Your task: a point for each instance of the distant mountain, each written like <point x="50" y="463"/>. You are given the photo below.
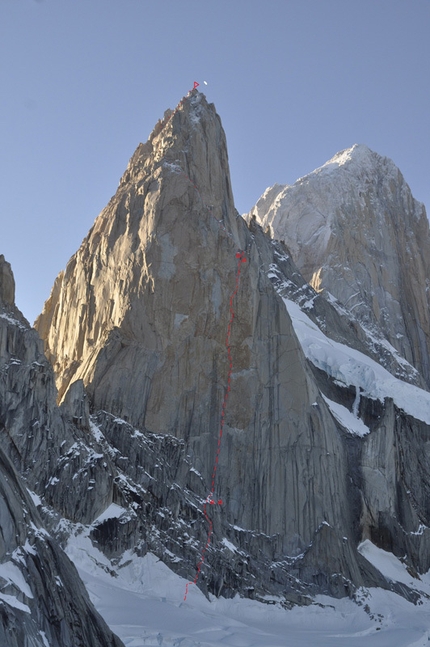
<point x="355" y="231"/>
<point x="216" y="410"/>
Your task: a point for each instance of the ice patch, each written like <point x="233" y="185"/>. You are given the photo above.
<point x="229" y="545"/>
<point x="44" y="638"/>
<point x="11" y="573"/>
<point x="35" y="498"/>
<point x="347" y="419"/>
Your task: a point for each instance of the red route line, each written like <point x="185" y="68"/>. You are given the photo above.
<point x="241" y="258"/>
<point x="209" y="499"/>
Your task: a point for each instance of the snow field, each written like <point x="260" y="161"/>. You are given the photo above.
<point x="142" y="602"/>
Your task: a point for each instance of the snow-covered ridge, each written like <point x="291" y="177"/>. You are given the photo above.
<point x="350" y="367"/>
<point x="348" y="420"/>
<point x="360" y="160"/>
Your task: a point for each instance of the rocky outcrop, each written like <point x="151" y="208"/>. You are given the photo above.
<point x="7" y="283"/>
<point x="355" y="231"/>
<point x="42" y="599"/>
<point x="140" y="317"/>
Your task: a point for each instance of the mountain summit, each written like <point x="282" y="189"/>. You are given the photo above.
<point x="149" y="260"/>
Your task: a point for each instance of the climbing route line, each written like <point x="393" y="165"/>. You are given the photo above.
<point x="241" y="258"/>
<point x="210" y="500"/>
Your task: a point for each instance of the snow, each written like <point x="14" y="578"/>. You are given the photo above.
<point x="114" y="511"/>
<point x="12" y="320"/>
<point x="175" y="168"/>
<point x="229" y="545"/>
<point x="28" y="548"/>
<point x="13" y="602"/>
<point x="375" y="337"/>
<point x="360" y="158"/>
<point x="196" y="110"/>
<point x="359" y="153"/>
<point x="44" y="638"/>
<point x="391" y="566"/>
<point x="11" y="573"/>
<point x="347" y="419"/>
<point x="143" y="604"/>
<point x="35" y="498"/>
<point x="96" y="432"/>
<point x="40" y="533"/>
<point x="350" y="367"/>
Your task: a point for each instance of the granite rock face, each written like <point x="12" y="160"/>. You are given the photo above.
<point x="355" y="231"/>
<point x="136" y="330"/>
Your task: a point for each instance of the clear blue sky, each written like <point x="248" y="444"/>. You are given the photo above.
<point x="82" y="82"/>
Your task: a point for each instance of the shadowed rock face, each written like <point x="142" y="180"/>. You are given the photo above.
<point x="42" y="597"/>
<point x="140" y="318"/>
<point x="44" y="594"/>
<point x="355" y="231"/>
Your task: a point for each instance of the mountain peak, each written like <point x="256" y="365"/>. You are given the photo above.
<point x="358" y="153"/>
<point x="159" y="320"/>
<point x="355" y="230"/>
<point x="174" y="136"/>
<point x="173" y="198"/>
<point x="357" y="161"/>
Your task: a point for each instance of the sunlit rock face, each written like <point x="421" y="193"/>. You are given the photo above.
<point x="136" y="329"/>
<point x="355" y="231"/>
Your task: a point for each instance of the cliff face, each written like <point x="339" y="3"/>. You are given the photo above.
<point x="141" y="316"/>
<point x="355" y="231"/>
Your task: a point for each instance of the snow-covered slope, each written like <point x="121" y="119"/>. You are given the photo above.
<point x="349" y="366"/>
<point x="142" y="601"/>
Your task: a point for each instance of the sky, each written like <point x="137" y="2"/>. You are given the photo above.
<point x="82" y="82"/>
